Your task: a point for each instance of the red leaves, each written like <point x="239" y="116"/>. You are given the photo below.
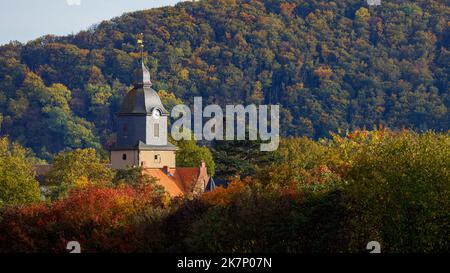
<point x="90" y="215"/>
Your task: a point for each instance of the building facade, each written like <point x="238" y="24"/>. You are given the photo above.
<point x="142" y="141"/>
<point x="142" y="129"/>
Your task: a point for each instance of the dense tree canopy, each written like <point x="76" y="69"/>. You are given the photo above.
<point x="191" y="155"/>
<point x="332" y="66"/>
<point x="330" y="196"/>
<point x="18" y="185"/>
<point x="77" y="169"/>
<point x="329" y="64"/>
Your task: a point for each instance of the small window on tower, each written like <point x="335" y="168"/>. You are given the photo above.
<point x="124" y="156"/>
<point x="156" y="130"/>
<point x="125" y="128"/>
<point x="157" y="158"/>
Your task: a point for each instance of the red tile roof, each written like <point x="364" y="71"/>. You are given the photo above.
<point x="177" y="182"/>
<point x="187" y="177"/>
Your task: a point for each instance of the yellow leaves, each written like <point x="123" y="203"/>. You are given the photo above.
<point x="17" y="183"/>
<point x="99" y="94"/>
<point x="101" y="98"/>
<point x="136" y="55"/>
<point x="77" y="167"/>
<point x="362" y="14"/>
<point x="184" y="74"/>
<point x="81" y="182"/>
<point x="33" y="82"/>
<point x="123" y="201"/>
<point x="166" y="200"/>
<point x="323" y="72"/>
<point x="60" y="95"/>
<point x="295" y="88"/>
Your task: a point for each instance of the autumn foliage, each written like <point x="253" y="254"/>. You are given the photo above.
<point x="328" y="64"/>
<point x="96" y="217"/>
<point x="328" y="196"/>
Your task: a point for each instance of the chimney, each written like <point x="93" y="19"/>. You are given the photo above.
<point x="203" y="169"/>
<point x="202" y="177"/>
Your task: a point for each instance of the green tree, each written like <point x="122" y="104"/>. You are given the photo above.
<point x="18" y="185"/>
<point x="397" y="188"/>
<point x="191" y="155"/>
<point x="76" y="169"/>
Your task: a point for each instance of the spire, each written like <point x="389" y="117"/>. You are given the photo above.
<point x="142" y="99"/>
<point x="143" y="74"/>
<point x="146" y="76"/>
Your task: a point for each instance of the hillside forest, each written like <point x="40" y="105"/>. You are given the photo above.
<point x="330" y="65"/>
<point x="365" y="146"/>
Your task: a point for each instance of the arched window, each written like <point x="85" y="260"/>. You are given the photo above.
<point x="124" y="156"/>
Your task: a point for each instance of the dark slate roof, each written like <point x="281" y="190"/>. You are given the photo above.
<point x="211" y="185"/>
<point x="142" y="99"/>
<point x="143" y="75"/>
<point x="141" y="146"/>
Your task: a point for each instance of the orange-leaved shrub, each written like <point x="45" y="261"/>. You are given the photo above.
<point x="98" y="218"/>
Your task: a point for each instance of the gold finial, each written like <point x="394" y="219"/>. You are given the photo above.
<point x="140" y="41"/>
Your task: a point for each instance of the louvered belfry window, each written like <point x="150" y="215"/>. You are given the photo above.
<point x="156" y="130"/>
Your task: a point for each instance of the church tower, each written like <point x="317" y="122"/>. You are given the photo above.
<point x="142" y="128"/>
